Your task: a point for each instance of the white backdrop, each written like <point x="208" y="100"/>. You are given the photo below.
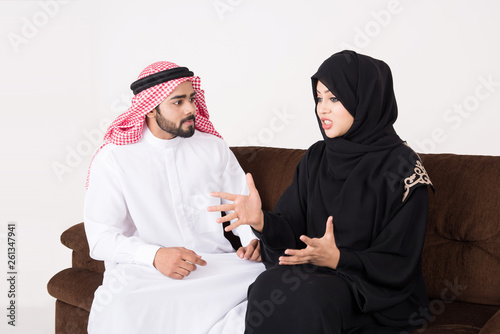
<point x="66" y="67"/>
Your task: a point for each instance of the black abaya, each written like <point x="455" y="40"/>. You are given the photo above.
<point x="374" y="187"/>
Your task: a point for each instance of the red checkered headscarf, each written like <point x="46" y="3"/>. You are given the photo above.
<point x="127" y="128"/>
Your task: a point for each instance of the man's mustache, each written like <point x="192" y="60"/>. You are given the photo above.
<point x="189" y="118"/>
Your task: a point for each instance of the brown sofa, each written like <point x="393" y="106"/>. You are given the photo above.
<point x="461" y="258"/>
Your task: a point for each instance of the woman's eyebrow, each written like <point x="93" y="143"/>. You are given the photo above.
<point x="326" y="91"/>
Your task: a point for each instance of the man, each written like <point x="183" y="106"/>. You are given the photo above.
<point x="169" y="268"/>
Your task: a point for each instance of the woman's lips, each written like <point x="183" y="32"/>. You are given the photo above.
<point x="326" y="123"/>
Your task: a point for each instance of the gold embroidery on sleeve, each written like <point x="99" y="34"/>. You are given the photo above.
<point x="420" y="176"/>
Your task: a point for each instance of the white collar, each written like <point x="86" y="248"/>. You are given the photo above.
<point x="158" y="142"/>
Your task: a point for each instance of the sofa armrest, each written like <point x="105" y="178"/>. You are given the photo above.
<point x="75" y="238"/>
<point x="493" y="325"/>
<point x="75" y="286"/>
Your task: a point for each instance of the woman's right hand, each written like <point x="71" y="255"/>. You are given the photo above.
<point x="247" y="209"/>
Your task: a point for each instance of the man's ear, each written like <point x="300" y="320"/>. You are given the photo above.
<point x="151" y="114"/>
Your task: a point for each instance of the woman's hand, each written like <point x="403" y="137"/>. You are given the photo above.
<point x="251" y="251"/>
<point x="321" y="252"/>
<point x="248" y="209"/>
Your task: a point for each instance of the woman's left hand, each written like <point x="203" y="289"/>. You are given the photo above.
<point x="321" y="252"/>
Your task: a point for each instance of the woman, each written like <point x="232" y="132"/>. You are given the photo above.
<point x="342" y="247"/>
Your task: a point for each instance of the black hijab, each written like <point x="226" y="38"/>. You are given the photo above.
<point x="364" y="86"/>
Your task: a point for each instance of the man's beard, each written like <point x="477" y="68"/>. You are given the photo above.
<point x="171" y="128"/>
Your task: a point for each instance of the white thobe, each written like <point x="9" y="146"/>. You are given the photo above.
<point x="152" y="194"/>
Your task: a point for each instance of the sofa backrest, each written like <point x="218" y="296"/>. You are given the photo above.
<point x="461" y="257"/>
<point x="272" y="170"/>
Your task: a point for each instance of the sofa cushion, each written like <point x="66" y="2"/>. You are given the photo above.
<point x="457" y="317"/>
<point x="461" y="254"/>
<point x="493" y="325"/>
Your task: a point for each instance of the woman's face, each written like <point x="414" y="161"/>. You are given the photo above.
<point x="335" y="119"/>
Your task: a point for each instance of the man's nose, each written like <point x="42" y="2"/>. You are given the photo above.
<point x="190" y="109"/>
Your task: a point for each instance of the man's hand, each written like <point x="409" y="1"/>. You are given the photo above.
<point x="322" y="251"/>
<point x="250" y="252"/>
<point x="248" y="209"/>
<point x="177" y="262"/>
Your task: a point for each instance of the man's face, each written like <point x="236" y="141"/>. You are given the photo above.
<point x="175" y="116"/>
